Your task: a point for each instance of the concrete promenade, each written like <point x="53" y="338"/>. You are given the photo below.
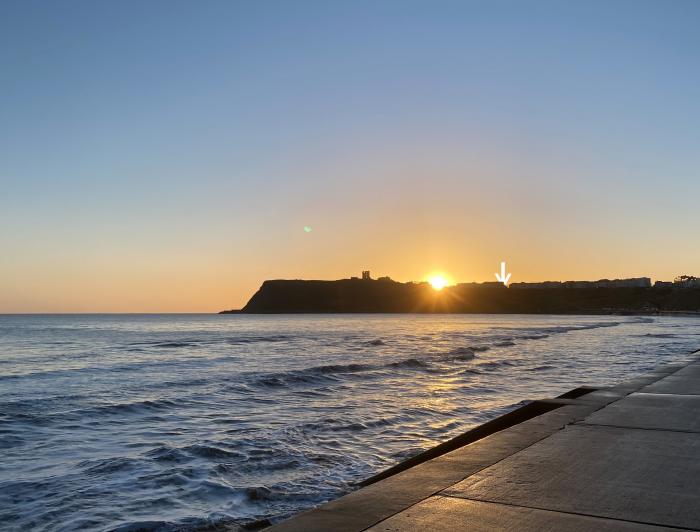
<point x="626" y="457"/>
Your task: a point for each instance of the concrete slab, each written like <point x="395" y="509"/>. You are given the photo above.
<point x="667" y="368"/>
<point x="693" y="370"/>
<point x="514" y="439"/>
<point x="683" y="385"/>
<point x="651" y="411"/>
<point x="599" y="397"/>
<point x="635" y="384"/>
<point x="645" y="476"/>
<point x="442" y="514"/>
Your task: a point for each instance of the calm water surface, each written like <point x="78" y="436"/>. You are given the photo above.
<point x="176" y="422"/>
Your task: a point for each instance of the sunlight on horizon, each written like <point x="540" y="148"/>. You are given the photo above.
<point x="438" y="281"/>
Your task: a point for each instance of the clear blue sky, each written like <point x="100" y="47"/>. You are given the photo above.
<point x="167" y="155"/>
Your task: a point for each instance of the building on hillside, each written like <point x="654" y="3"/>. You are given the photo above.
<point x="636" y="282"/>
<point x="663" y="284"/>
<point x="686" y="281"/>
<point x="543" y="284"/>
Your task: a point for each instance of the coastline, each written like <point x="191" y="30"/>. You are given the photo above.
<point x="671" y="313"/>
<point x="355" y="296"/>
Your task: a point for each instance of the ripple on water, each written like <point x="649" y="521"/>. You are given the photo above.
<point x="188" y="422"/>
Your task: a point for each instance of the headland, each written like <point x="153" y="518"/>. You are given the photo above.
<point x="383" y="295"/>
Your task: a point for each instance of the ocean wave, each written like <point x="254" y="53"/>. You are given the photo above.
<point x="27" y="405"/>
<point x="90" y="369"/>
<point x="134" y="407"/>
<point x="462" y="353"/>
<point x="494" y="364"/>
<point x="346" y="424"/>
<point x="145" y="526"/>
<point x="109" y="465"/>
<point x="81" y="415"/>
<point x="165" y="453"/>
<point x="478" y="348"/>
<point x="290" y="379"/>
<point x="212" y="452"/>
<point x="209" y="524"/>
<point x="530" y="333"/>
<point x="543" y="367"/>
<point x="176" y="344"/>
<point x="333" y="372"/>
<point x="78" y="416"/>
<point x="9" y="441"/>
<point x="208" y="340"/>
<point x="536" y="333"/>
<point x="189" y="342"/>
<point x="601" y="325"/>
<point x="256" y="339"/>
<point x="178" y="477"/>
<point x="341" y="368"/>
<point x="413" y="363"/>
<point x="504" y="343"/>
<point x="641" y="319"/>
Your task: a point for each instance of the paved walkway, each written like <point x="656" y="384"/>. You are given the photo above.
<point x="620" y="458"/>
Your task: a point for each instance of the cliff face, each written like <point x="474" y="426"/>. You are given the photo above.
<point x="347" y="295"/>
<point x="354" y="295"/>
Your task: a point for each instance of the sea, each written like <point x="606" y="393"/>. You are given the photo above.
<point x="199" y="422"/>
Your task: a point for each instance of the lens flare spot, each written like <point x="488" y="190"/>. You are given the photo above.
<point x="307" y="229"/>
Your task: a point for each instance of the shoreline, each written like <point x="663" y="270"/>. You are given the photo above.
<point x="679" y="313"/>
<point x="516" y="471"/>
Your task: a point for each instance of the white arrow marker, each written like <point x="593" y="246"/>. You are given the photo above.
<point x="503" y="278"/>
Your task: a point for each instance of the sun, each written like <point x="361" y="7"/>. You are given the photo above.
<point x="438" y="282"/>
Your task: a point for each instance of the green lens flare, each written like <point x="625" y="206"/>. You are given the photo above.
<point x="307" y="229"/>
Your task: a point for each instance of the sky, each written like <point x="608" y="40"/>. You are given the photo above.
<point x="167" y="156"/>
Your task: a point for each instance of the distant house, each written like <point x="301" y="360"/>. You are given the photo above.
<point x="365" y="275"/>
<point x="686" y="281"/>
<point x="544" y="284"/>
<point x="663" y="284"/>
<point x="636" y="282"/>
<point x="577" y="284"/>
<point x="385" y="278"/>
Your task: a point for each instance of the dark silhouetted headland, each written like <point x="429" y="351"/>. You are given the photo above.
<point x="384" y="295"/>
